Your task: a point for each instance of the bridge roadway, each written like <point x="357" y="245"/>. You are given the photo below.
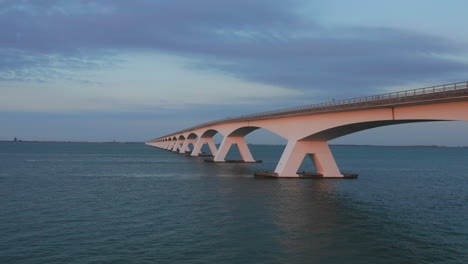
<point x="308" y="128"/>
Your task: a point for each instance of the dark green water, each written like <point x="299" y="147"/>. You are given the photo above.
<point x="125" y="203"/>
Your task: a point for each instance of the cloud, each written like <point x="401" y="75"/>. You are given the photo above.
<point x="264" y="41"/>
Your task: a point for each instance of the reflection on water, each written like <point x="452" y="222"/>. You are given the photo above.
<point x="135" y="204"/>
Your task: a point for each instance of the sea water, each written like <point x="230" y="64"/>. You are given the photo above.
<point x="132" y="203"/>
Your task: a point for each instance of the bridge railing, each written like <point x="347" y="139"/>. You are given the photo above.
<point x="373" y="98"/>
<point x="367" y="100"/>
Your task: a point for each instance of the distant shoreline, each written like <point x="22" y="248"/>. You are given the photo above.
<point x="137" y="142"/>
<point x="73" y="142"/>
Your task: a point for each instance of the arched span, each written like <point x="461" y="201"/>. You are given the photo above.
<point x="209" y="133"/>
<point x="344" y="130"/>
<point x="243" y="131"/>
<point x="174" y="138"/>
<point x="181" y="137"/>
<point x="192" y="136"/>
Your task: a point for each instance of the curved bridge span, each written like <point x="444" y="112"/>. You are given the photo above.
<point x="308" y="128"/>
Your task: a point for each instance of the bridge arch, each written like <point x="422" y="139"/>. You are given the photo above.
<point x="246" y="130"/>
<point x="346" y="129"/>
<point x="243" y="131"/>
<point x="192" y="136"/>
<point x="186" y="140"/>
<point x="349" y="124"/>
<point x="203" y="136"/>
<point x="209" y="133"/>
<point x="235" y="135"/>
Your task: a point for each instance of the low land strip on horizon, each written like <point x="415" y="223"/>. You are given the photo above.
<point x="138" y="142"/>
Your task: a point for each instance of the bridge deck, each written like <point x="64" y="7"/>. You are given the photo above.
<point x="432" y="94"/>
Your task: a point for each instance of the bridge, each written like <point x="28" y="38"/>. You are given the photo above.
<point x="309" y="128"/>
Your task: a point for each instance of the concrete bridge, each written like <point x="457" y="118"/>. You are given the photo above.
<point x="308" y="128"/>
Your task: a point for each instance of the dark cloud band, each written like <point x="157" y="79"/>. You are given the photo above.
<point x="262" y="41"/>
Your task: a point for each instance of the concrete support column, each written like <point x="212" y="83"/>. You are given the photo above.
<point x="199" y="144"/>
<point x="173" y="145"/>
<point x="223" y="149"/>
<point x="176" y="146"/>
<point x="294" y="153"/>
<point x="192" y="141"/>
<point x="197" y="147"/>
<point x="244" y="149"/>
<point x="185" y="147"/>
<point x="212" y="146"/>
<point x="226" y="145"/>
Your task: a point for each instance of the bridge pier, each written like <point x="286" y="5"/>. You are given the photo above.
<point x="185" y="146"/>
<point x="241" y="145"/>
<point x="318" y="151"/>
<point x="169" y="145"/>
<point x="176" y="146"/>
<point x="199" y="144"/>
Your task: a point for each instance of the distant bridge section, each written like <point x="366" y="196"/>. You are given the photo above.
<point x="308" y="128"/>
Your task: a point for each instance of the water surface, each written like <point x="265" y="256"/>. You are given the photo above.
<point x="131" y="203"/>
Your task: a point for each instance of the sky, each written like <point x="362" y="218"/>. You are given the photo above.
<point x="102" y="70"/>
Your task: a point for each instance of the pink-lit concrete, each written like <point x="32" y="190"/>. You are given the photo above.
<point x="173" y="145"/>
<point x="307" y="134"/>
<point x="226" y="145"/>
<point x="185" y="147"/>
<point x="294" y="153"/>
<point x="199" y="144"/>
<point x="176" y="145"/>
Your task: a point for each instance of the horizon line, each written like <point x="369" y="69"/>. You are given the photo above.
<point x="143" y="142"/>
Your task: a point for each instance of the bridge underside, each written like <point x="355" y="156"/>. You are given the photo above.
<point x="344" y="130"/>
